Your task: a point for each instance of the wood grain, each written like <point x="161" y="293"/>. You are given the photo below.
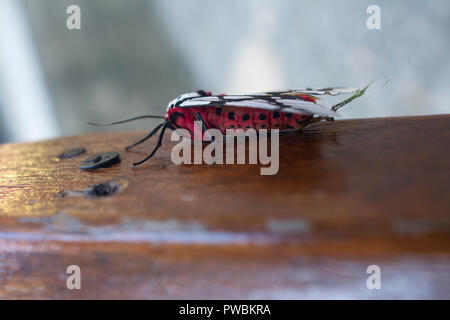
<point x="348" y="194"/>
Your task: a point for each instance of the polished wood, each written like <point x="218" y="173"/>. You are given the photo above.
<point x="348" y="194"/>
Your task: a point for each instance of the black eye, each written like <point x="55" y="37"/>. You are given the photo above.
<point x="174" y="116"/>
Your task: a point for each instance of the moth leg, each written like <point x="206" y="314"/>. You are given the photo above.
<point x="158" y="144"/>
<point x="198" y="116"/>
<point x="171" y="126"/>
<point x="155" y="130"/>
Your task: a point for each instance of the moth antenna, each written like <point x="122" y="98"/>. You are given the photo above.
<point x="127" y="120"/>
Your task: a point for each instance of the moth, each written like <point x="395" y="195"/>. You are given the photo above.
<point x="286" y="110"/>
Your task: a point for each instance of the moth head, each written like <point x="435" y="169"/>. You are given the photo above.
<point x="186" y="96"/>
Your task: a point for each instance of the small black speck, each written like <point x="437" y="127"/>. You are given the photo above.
<point x="218" y="111"/>
<point x="102" y="189"/>
<point x="262" y="116"/>
<point x="72" y="153"/>
<point x="231" y="115"/>
<point x="288" y="115"/>
<point x="276" y="115"/>
<point x="263" y="126"/>
<point x="245" y="117"/>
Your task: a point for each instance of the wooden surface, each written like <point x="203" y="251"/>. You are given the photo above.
<point x="348" y="194"/>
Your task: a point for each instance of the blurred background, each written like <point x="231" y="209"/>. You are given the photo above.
<point x="131" y="57"/>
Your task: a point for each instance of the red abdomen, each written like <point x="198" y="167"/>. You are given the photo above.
<point x="229" y="117"/>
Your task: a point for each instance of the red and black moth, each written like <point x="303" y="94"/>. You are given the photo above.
<point x="287" y="111"/>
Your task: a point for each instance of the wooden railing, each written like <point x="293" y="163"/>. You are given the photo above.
<point x="348" y="194"/>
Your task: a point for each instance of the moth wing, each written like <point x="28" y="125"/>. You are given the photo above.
<point x="261" y="101"/>
<point x="304" y="107"/>
<point x="332" y="91"/>
<point x="214" y="101"/>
